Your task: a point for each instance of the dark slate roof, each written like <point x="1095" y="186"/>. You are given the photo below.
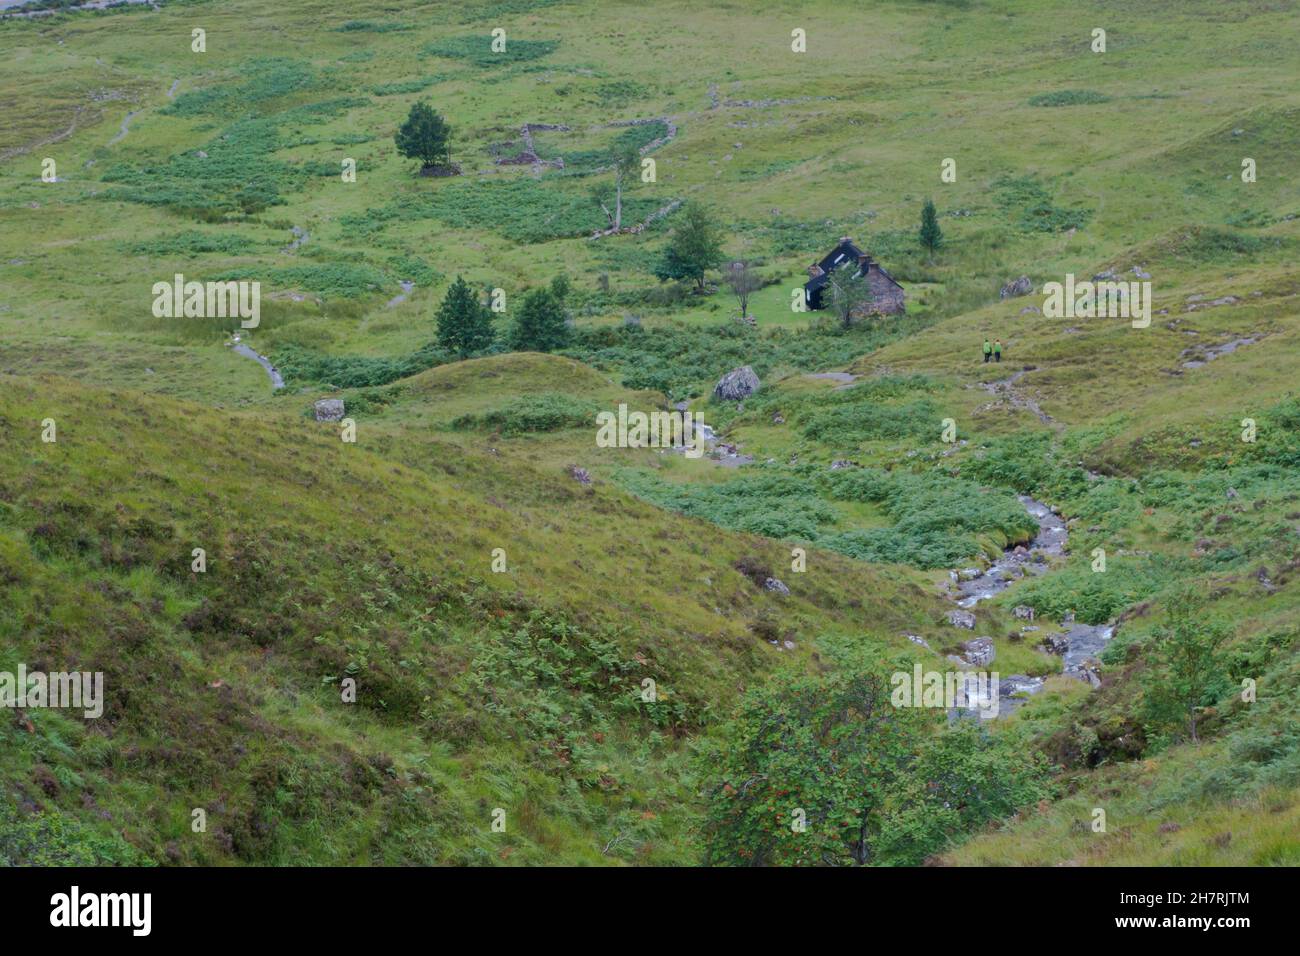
<point x="844" y="252"/>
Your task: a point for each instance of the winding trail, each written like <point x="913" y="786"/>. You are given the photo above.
<point x="1004" y="390"/>
<point x="845" y="379"/>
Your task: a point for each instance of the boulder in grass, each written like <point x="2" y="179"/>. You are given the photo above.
<point x="961" y="619"/>
<point x="329" y="410"/>
<point x="1019" y="287"/>
<point x="737" y="384"/>
<point x="1056" y="644"/>
<point x="776" y="586"/>
<point x="979" y="652"/>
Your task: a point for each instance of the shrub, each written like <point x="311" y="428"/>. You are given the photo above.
<point x="547" y="412"/>
<point x="1069" y="98"/>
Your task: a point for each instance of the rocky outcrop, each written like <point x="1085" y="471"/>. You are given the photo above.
<point x="776" y="586"/>
<point x="1056" y="643"/>
<point x="962" y="619"/>
<point x="737" y="384"/>
<point x="329" y="410"/>
<point x="1019" y="287"/>
<point x="979" y="652"/>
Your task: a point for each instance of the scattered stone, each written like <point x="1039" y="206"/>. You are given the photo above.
<point x="918" y="640"/>
<point x="1087" y="671"/>
<point x="580" y="474"/>
<point x="1031" y="310"/>
<point x="1138" y="271"/>
<point x="841" y="463"/>
<point x="776" y="586"/>
<point x="1105" y="276"/>
<point x="737" y="384"/>
<point x="1056" y="644"/>
<point x="962" y="619"/>
<point x="329" y="410"/>
<point x="778" y="418"/>
<point x="979" y="652"/>
<point x="1023" y="611"/>
<point x="1019" y="287"/>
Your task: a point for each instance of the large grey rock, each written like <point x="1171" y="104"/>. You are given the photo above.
<point x="737" y="384"/>
<point x="961" y="619"/>
<point x="1056" y="643"/>
<point x="776" y="586"/>
<point x="329" y="410"/>
<point x="979" y="652"/>
<point x="1021" y="286"/>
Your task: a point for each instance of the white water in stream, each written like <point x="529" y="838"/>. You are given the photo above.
<point x="1083" y="641"/>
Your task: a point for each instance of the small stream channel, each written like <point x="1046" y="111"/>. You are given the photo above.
<point x="1082" y="642"/>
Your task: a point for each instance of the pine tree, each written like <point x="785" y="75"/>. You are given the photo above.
<point x="464" y="324"/>
<point x="541" y="325"/>
<point x="931" y="234"/>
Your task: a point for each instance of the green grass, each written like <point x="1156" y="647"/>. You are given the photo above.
<point x="521" y="690"/>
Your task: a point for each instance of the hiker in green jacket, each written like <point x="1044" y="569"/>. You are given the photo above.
<point x="988" y="350"/>
<point x="997" y="350"/>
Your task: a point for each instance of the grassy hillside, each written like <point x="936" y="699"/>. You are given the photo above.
<point x="523" y="689"/>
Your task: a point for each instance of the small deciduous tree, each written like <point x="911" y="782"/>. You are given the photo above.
<point x="931" y="235"/>
<point x="542" y="323"/>
<point x="801" y="775"/>
<point x="743" y="282"/>
<point x="625" y="162"/>
<point x="1185" y="670"/>
<point x="464" y="323"/>
<point x="694" y="248"/>
<point x="850" y="293"/>
<point x="424" y="136"/>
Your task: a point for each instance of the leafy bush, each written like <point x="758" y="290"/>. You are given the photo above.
<point x="1097" y="598"/>
<point x="524" y="210"/>
<point x="297" y="364"/>
<point x="1038" y="212"/>
<point x="898" y="789"/>
<point x="546" y="412"/>
<point x="405" y="86"/>
<point x="371" y="26"/>
<point x="192" y="243"/>
<point x="51" y="839"/>
<point x="478" y="50"/>
<point x="1069" y="98"/>
<point x="769" y="502"/>
<point x="345" y="279"/>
